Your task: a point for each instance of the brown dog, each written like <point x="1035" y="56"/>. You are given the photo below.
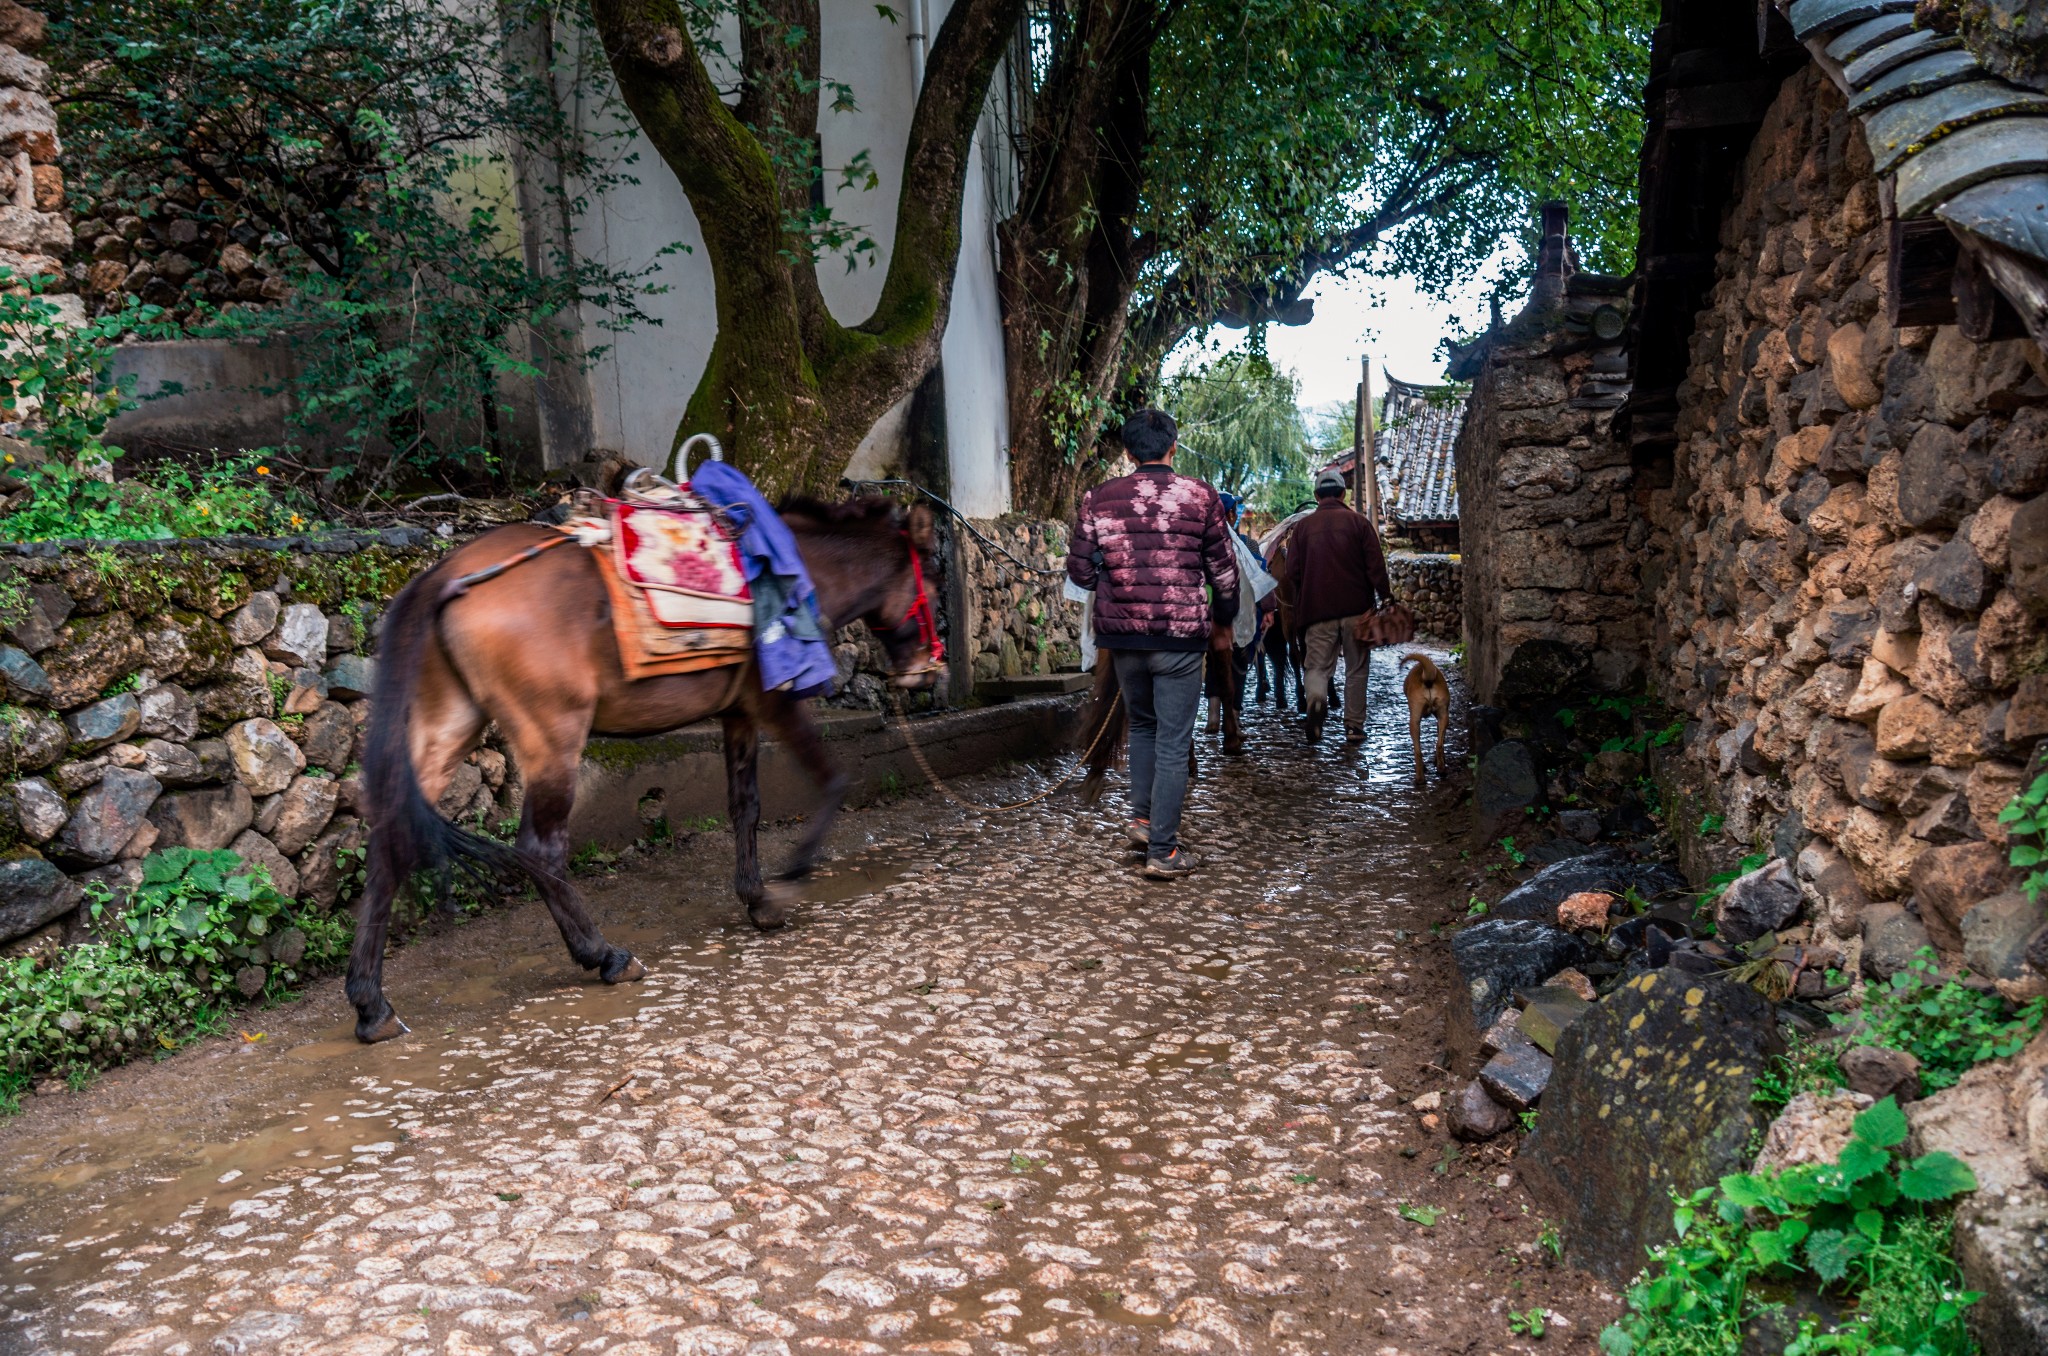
<point x="1428" y="695"/>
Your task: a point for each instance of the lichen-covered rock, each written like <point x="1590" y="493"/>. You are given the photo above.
<point x="351" y="676"/>
<point x="167" y="710"/>
<point x="90" y="654"/>
<point x="205" y="820"/>
<point x="102" y="723"/>
<point x="256" y="850"/>
<point x="37" y="740"/>
<point x="300" y="638"/>
<point x="32" y="892"/>
<point x="1949" y="881"/>
<point x="105" y="818"/>
<point x="39" y="808"/>
<point x="265" y="758"/>
<point x="302" y="812"/>
<point x="1891" y="938"/>
<point x="1651" y="1093"/>
<point x="255" y="619"/>
<point x="328" y="737"/>
<point x="1610" y="871"/>
<point x="1814" y="1127"/>
<point x="190" y="646"/>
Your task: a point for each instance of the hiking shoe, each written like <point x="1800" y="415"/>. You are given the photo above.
<point x="1353" y="734"/>
<point x="1176" y="864"/>
<point x="1139" y="833"/>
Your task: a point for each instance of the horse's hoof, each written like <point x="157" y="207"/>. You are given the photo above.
<point x="621" y="967"/>
<point x="390" y="1028"/>
<point x="779" y="899"/>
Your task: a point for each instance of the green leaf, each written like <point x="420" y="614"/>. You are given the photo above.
<point x="1860" y="1160"/>
<point x="1829" y="1252"/>
<point x="1870" y="1223"/>
<point x="1772" y="1247"/>
<point x="1747" y="1191"/>
<point x="1882" y="1126"/>
<point x="1936" y="1177"/>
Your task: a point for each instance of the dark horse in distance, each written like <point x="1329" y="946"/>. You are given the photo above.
<point x="533" y="649"/>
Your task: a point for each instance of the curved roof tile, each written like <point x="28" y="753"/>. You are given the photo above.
<point x="1418" y="428"/>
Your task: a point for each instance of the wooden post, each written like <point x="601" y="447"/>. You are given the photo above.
<point x="1366" y="484"/>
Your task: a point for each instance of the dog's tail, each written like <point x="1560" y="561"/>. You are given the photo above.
<point x="1432" y="676"/>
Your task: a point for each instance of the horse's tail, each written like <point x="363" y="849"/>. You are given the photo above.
<point x="407" y="834"/>
<point x="1103" y="721"/>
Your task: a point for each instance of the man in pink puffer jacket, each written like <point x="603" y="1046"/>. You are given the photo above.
<point x="1154" y="547"/>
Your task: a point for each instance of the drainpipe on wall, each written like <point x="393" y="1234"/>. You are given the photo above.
<point x="920" y="39"/>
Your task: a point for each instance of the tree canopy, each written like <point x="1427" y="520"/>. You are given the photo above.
<point x="1278" y="140"/>
<point x="1241" y="430"/>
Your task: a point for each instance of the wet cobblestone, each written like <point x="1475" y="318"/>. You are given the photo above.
<point x="993" y="1093"/>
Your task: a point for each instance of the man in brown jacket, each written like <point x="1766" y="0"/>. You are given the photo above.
<point x="1335" y="571"/>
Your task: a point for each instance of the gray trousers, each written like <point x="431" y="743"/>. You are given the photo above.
<point x="1323" y="641"/>
<point x="1161" y="690"/>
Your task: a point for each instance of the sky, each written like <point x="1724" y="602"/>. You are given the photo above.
<point x="1387" y="319"/>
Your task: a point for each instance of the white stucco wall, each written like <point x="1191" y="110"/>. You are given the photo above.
<point x="641" y="385"/>
<point x="977" y="401"/>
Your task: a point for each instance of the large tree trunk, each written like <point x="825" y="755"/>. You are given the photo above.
<point x="1070" y="257"/>
<point x="789" y="390"/>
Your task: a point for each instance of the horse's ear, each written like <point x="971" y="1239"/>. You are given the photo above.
<point x="923" y="529"/>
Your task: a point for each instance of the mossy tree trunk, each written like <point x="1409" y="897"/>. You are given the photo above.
<point x="1070" y="255"/>
<point x="789" y="390"/>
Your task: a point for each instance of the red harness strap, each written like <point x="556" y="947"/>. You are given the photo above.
<point x="921" y="610"/>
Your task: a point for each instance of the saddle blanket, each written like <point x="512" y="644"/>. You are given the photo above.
<point x="679" y="595"/>
<point x="690" y="570"/>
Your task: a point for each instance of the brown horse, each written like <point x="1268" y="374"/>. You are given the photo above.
<point x="533" y="650"/>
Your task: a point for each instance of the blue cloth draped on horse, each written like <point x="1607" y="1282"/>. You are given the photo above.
<point x="789" y="636"/>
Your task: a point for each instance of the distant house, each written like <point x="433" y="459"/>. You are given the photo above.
<point x="1418" y="481"/>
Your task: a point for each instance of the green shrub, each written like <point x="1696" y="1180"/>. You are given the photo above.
<point x="65" y="369"/>
<point x="1943" y="1023"/>
<point x="1866" y="1229"/>
<point x="233" y="494"/>
<point x="163" y="970"/>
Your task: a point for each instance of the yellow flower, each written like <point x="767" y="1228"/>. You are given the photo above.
<point x="203" y="509"/>
<point x="263" y="470"/>
<point x="297" y="520"/>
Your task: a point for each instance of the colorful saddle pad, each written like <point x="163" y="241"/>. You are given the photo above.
<point x="690" y="569"/>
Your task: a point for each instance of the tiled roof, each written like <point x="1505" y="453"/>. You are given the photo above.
<point x="1962" y="143"/>
<point x="1418" y="428"/>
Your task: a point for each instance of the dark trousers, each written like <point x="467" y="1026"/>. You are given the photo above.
<point x="1161" y="690"/>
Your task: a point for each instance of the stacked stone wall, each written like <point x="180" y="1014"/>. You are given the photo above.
<point x="1017" y="622"/>
<point x="35" y="234"/>
<point x="204" y="695"/>
<point x="1852" y="612"/>
<point x="1552" y="519"/>
<point x="1428" y="584"/>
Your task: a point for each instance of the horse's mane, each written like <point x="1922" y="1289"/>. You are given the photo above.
<point x="872" y="512"/>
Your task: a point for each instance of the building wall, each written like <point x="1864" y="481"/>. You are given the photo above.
<point x="1549" y="521"/>
<point x="1841" y="620"/>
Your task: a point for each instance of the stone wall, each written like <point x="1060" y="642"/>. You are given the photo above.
<point x="34" y="233"/>
<point x="1427" y="583"/>
<point x="1550" y="508"/>
<point x="1017" y="623"/>
<point x="207" y="695"/>
<point x="1851" y="613"/>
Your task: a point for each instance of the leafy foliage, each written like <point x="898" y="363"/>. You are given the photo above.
<point x="1945" y="1024"/>
<point x="1807" y="1066"/>
<point x="379" y="142"/>
<point x="57" y="374"/>
<point x="1241" y="430"/>
<point x="2026" y="824"/>
<point x="162" y="966"/>
<point x="233" y="494"/>
<point x="1862" y="1227"/>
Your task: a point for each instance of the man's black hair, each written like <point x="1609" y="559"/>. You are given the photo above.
<point x="1149" y="435"/>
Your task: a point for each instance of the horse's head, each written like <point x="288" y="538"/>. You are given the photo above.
<point x="904" y="618"/>
<point x="870" y="560"/>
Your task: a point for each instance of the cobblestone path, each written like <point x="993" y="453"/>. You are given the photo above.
<point x="993" y="1093"/>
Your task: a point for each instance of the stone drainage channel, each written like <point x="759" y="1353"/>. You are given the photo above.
<point x="991" y="1092"/>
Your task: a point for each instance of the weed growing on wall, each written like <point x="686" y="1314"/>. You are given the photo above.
<point x="1944" y="1023"/>
<point x="1867" y="1231"/>
<point x="203" y="930"/>
<point x="232" y="495"/>
<point x="2026" y="823"/>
